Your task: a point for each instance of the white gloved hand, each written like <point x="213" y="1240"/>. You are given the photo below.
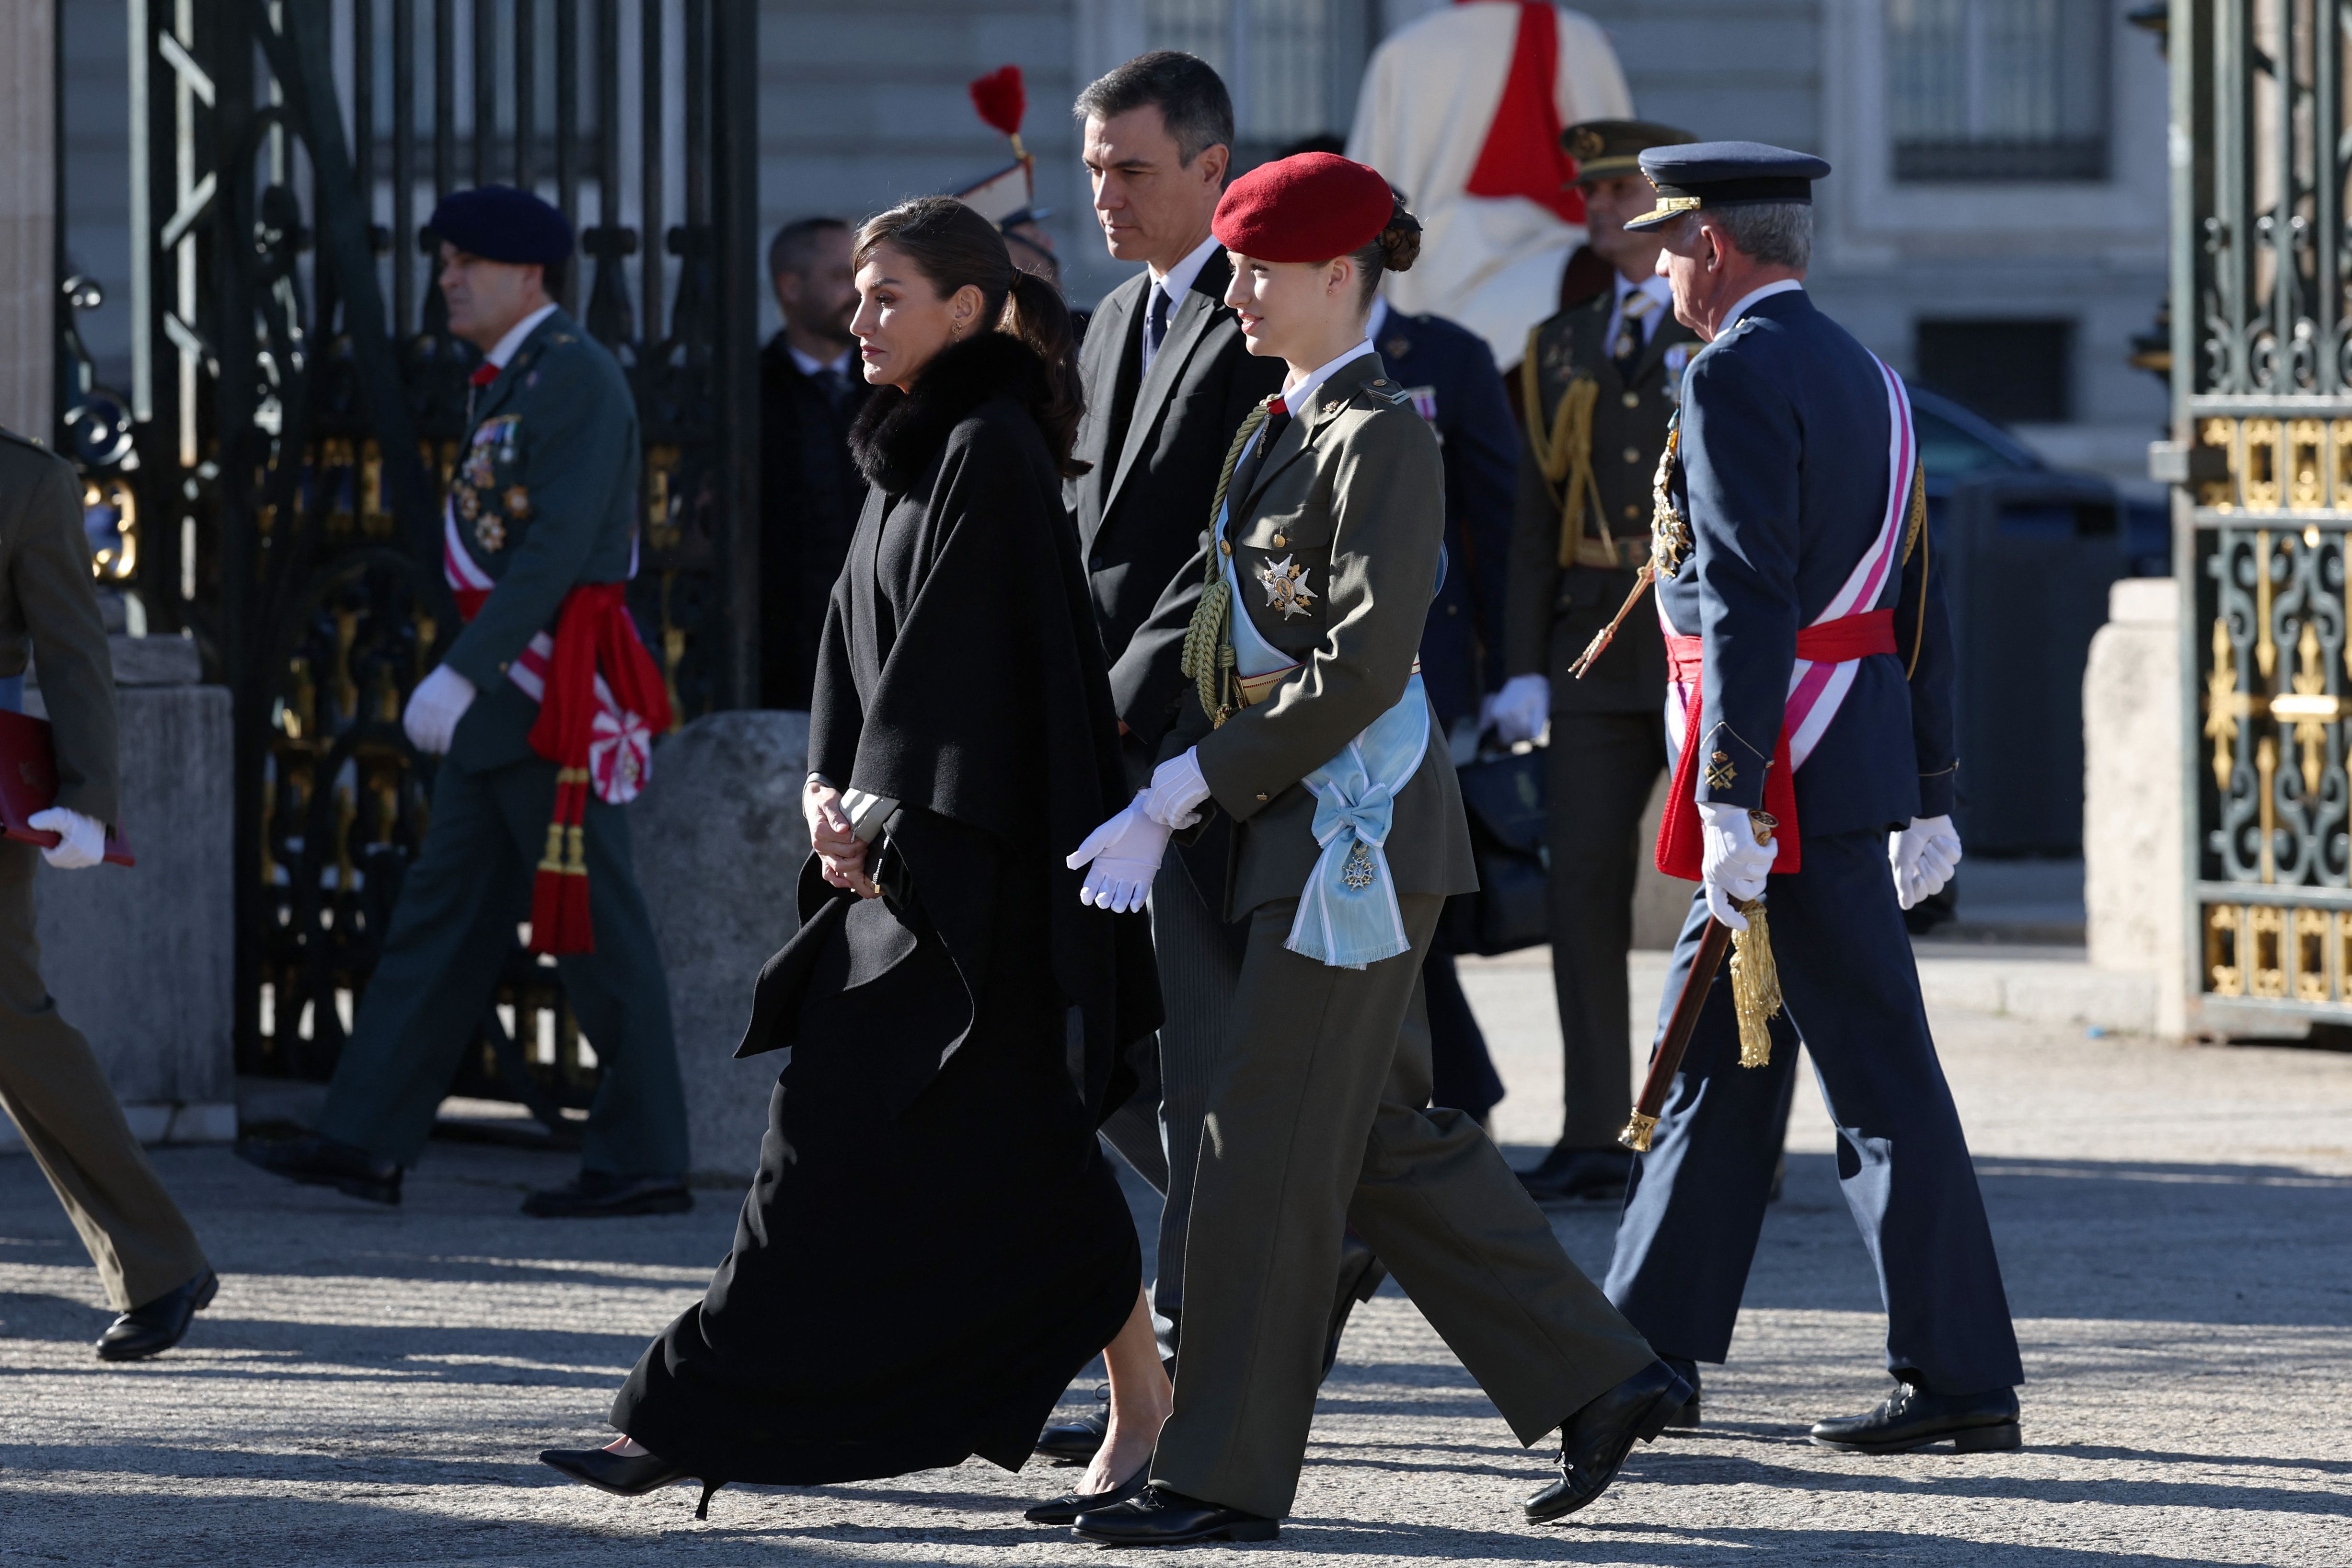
<point x="1177" y="790"/>
<point x="1732" y="865"/>
<point x="1122" y="855"/>
<point x="82" y="840"/>
<point x="1520" y="710"/>
<point x="1923" y="856"/>
<point x="439" y="700"/>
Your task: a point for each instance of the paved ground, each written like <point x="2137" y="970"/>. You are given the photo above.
<point x="2175" y="1224"/>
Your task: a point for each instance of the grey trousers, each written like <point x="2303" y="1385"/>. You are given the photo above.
<point x="1315" y="1124"/>
<point x="1158" y="1130"/>
<point x="58" y="1095"/>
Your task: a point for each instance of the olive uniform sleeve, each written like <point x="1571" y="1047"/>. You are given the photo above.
<point x="49" y="575"/>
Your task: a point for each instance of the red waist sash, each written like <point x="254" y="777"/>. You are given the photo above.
<point x="1679" y="836"/>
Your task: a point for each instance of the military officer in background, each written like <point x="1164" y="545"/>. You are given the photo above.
<point x="154" y="1273"/>
<point x="1601" y="382"/>
<point x="538" y="542"/>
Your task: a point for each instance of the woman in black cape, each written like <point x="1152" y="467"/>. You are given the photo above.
<point x="934" y="1243"/>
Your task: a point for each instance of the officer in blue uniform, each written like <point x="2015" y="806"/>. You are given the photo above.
<point x="1801" y="607"/>
<point x="544" y="502"/>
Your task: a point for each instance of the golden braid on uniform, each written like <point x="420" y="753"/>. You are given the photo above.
<point x="1563" y="453"/>
<point x="1208" y="656"/>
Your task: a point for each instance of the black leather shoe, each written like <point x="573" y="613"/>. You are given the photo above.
<point x="1074" y="1441"/>
<point x="1360" y="1273"/>
<point x="632" y="1475"/>
<point x="1687" y="1416"/>
<point x="1066" y="1509"/>
<point x="1596" y="1439"/>
<point x="1598" y="1175"/>
<point x="1157" y="1516"/>
<point x="153" y="1327"/>
<point x="1912" y="1417"/>
<point x="596" y="1194"/>
<point x="323" y="1162"/>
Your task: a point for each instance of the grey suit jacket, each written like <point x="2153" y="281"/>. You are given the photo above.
<point x="1355" y="490"/>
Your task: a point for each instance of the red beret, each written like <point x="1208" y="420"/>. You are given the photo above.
<point x="1310" y="207"/>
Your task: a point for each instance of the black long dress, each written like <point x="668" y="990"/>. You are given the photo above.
<point x="934" y="1243"/>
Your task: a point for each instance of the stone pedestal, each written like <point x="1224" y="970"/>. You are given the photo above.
<point x="719" y="843"/>
<point x="140" y="958"/>
<point x="2132" y="824"/>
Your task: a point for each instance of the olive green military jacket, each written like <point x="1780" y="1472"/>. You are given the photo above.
<point x="544" y="495"/>
<point x="1349" y="505"/>
<point x="48" y="611"/>
<point x="1551" y="611"/>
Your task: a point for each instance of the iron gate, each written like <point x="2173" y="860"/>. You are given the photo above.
<point x="297" y="404"/>
<point x="2262" y="460"/>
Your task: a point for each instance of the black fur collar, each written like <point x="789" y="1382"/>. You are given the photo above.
<point x="897" y="434"/>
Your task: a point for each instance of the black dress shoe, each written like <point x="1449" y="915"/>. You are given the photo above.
<point x="598" y="1194"/>
<point x="1566" y="1174"/>
<point x="1066" y="1509"/>
<point x="153" y="1327"/>
<point x="1596" y="1439"/>
<point x="631" y="1474"/>
<point x="1074" y="1441"/>
<point x="1159" y="1516"/>
<point x="322" y="1162"/>
<point x="1912" y="1417"/>
<point x="1687" y="1416"/>
<point x="1360" y="1273"/>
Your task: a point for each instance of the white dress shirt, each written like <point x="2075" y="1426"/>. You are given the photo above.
<point x="813" y="367"/>
<point x="1175" y="283"/>
<point x="1296" y="393"/>
<point x="515" y="335"/>
<point x="1661" y="305"/>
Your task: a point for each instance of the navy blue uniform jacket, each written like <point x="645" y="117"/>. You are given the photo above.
<point x="1784" y="480"/>
<point x="1451" y="367"/>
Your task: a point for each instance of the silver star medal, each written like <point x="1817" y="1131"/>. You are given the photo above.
<point x="1285" y="587"/>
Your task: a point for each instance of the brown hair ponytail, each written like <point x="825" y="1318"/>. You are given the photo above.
<point x="1394" y="249"/>
<point x="1035" y="312"/>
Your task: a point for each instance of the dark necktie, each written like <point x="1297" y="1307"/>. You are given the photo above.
<point x="1278" y="419"/>
<point x="1631" y="336"/>
<point x="1155" y="325"/>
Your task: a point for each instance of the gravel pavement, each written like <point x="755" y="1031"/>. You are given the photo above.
<point x="2175" y="1223"/>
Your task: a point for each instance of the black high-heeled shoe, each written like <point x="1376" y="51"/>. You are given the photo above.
<point x="1066" y="1509"/>
<point x="624" y="1474"/>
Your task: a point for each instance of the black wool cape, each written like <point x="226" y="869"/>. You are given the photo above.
<point x="934" y="1243"/>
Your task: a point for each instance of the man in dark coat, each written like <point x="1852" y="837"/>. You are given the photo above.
<point x="1167" y="381"/>
<point x="811" y="388"/>
<point x="1598" y="381"/>
<point x="1815" y="773"/>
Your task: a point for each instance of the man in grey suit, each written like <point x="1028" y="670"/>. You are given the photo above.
<point x="1167" y="382"/>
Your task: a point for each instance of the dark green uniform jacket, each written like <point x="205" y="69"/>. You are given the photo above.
<point x="1552" y="611"/>
<point x="545" y="497"/>
<point x="45" y="598"/>
<point x="1354" y="489"/>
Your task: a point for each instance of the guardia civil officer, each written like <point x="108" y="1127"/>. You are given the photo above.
<point x="154" y="1273"/>
<point x="1815" y="767"/>
<point x="1599" y="383"/>
<point x="542" y="711"/>
<point x="1307" y="727"/>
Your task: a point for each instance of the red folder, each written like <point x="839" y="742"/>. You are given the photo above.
<point x="28" y="783"/>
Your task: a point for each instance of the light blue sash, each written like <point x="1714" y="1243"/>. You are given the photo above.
<point x="1348" y="913"/>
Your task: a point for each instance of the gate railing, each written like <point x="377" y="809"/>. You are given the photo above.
<point x="297" y="405"/>
<point x="2262" y="462"/>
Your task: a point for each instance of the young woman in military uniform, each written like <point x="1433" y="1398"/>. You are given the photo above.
<point x="1311" y="732"/>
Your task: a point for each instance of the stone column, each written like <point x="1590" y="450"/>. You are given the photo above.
<point x="2132" y="824"/>
<point x="28" y="206"/>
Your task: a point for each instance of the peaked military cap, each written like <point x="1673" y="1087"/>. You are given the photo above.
<point x="1611" y="149"/>
<point x="1703" y="174"/>
<point x="500" y="223"/>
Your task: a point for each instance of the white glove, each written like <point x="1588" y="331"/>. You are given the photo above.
<point x="1520" y="710"/>
<point x="1923" y="856"/>
<point x="1123" y="856"/>
<point x="1177" y="790"/>
<point x="439" y="700"/>
<point x="82" y="840"/>
<point x="1732" y="865"/>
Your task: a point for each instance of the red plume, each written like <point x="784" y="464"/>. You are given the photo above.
<point x="1001" y="99"/>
